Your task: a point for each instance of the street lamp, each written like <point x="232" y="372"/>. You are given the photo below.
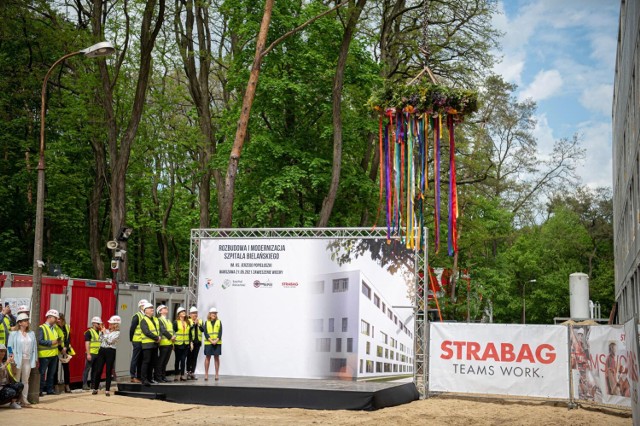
<point x="524" y="303"/>
<point x="96" y="51"/>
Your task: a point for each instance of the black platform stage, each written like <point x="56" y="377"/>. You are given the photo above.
<point x="279" y="393"/>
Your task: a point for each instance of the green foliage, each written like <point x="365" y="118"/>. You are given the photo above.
<point x="508" y="234"/>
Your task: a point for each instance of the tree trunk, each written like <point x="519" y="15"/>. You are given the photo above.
<point x="197" y="15"/>
<point x="226" y="208"/>
<point x="336" y="100"/>
<point x="95" y="202"/>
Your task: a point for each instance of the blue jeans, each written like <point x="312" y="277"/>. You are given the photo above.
<point x="87" y="373"/>
<point x="48" y="369"/>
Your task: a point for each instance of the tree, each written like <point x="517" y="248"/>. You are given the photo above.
<point x="121" y="135"/>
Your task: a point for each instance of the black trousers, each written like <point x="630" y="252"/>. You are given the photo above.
<point x="164" y="352"/>
<point x="192" y="357"/>
<point x="149" y="363"/>
<point x="106" y="356"/>
<point x="136" y="360"/>
<point x="181" y="358"/>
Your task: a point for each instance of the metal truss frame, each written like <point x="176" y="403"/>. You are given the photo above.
<point x="421" y="319"/>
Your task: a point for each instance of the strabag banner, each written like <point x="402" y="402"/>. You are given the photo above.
<point x="502" y="359"/>
<point x="600" y="365"/>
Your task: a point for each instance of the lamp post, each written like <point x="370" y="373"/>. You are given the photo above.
<point x="524" y="303"/>
<point x="96" y="51"/>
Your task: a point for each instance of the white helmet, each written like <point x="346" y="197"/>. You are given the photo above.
<point x="115" y="320"/>
<point x="142" y="302"/>
<point x="147" y="305"/>
<point x="96" y="320"/>
<point x="22" y="316"/>
<point x="22" y="308"/>
<point x="180" y="309"/>
<point x="193" y="310"/>
<point x="213" y="311"/>
<point x="159" y="308"/>
<point x="52" y="313"/>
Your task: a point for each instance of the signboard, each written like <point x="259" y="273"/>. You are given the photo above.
<point x="599" y="364"/>
<point x="16" y="297"/>
<point x="290" y="307"/>
<point x="509" y="359"/>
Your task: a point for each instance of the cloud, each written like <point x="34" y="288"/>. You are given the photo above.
<point x="544" y="85"/>
<point x="598" y="99"/>
<point x="595" y="137"/>
<point x="544" y="135"/>
<point x="510" y="68"/>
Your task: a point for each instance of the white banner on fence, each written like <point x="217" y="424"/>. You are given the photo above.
<point x="509" y="359"/>
<point x="631" y="338"/>
<point x="599" y="364"/>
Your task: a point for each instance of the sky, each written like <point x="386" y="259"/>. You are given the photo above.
<point x="561" y="54"/>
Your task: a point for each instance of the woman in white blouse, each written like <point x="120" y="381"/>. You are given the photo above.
<point x="22" y="343"/>
<point x="107" y="354"/>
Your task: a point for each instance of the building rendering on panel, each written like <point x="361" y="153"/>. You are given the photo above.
<point x="626" y="163"/>
<point x="357" y="332"/>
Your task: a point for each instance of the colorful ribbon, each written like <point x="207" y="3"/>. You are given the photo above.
<point x="452" y="235"/>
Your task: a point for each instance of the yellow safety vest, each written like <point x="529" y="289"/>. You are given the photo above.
<point x="167" y="324"/>
<point x="4" y="336"/>
<point x="154" y="328"/>
<point x="213" y="331"/>
<point x="48" y="334"/>
<point x="197" y="330"/>
<point x="137" y="335"/>
<point x="94" y="345"/>
<point x="182" y="332"/>
<point x="61" y="334"/>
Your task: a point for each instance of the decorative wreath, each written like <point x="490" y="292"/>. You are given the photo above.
<point x="427" y="98"/>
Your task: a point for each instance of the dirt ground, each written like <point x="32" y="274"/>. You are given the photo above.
<point x="84" y="408"/>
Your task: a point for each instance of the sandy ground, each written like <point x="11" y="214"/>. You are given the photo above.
<point x="84" y="408"/>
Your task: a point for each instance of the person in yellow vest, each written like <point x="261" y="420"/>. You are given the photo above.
<point x="195" y="341"/>
<point x="212" y="342"/>
<point x="48" y="343"/>
<point x="167" y="338"/>
<point x="181" y="345"/>
<point x="92" y="347"/>
<point x="5" y="324"/>
<point x="150" y="327"/>
<point x="135" y="336"/>
<point x="64" y="330"/>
